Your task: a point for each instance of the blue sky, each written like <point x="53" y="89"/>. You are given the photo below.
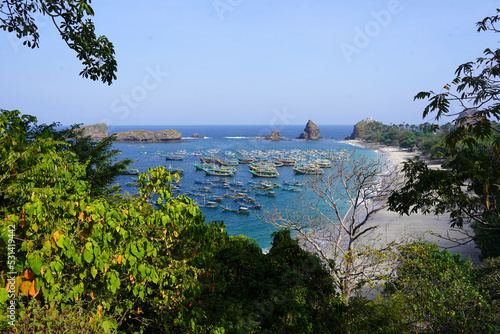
<point x="270" y="62"/>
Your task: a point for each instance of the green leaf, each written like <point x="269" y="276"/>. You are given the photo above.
<point x="142" y="269"/>
<point x="35" y="263"/>
<point x="114" y="282"/>
<point x="88" y="255"/>
<point x="93" y="271"/>
<point x="47" y="248"/>
<point x="139" y="253"/>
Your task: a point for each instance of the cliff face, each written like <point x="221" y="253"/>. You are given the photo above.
<point x="148" y="136"/>
<point x="97" y="131"/>
<point x="311" y="131"/>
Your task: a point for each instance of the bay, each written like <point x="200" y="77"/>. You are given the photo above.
<point x="231" y="139"/>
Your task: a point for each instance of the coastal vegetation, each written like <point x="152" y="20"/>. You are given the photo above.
<point x="83" y="260"/>
<point x="336" y="224"/>
<point x="79" y="257"/>
<point x="422" y="137"/>
<point x="468" y="187"/>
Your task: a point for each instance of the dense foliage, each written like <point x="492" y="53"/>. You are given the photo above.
<point x="469" y="187"/>
<point x="438" y="292"/>
<point x="87" y="262"/>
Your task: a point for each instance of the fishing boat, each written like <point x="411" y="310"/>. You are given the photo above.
<point x="307" y="169"/>
<point x="209" y="159"/>
<point x="215" y="198"/>
<point x="295" y="189"/>
<point x="294" y="183"/>
<point x="252" y="205"/>
<point x="204" y="165"/>
<point x="288" y="161"/>
<point x="207" y="204"/>
<point x="202" y="190"/>
<point x="201" y="181"/>
<point x="227" y="162"/>
<point x="264" y="172"/>
<point x="323" y="163"/>
<point x="132" y="184"/>
<point x="220" y="171"/>
<point x="176" y="157"/>
<point x="173" y="170"/>
<point x="132" y="171"/>
<point x="268" y="193"/>
<point x="241" y="209"/>
<point x="245" y="160"/>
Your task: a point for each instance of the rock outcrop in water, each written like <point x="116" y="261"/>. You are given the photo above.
<point x="275" y="135"/>
<point x="97" y="131"/>
<point x="311" y="131"/>
<point x="148" y="136"/>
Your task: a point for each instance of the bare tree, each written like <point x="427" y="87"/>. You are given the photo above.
<point x="333" y="219"/>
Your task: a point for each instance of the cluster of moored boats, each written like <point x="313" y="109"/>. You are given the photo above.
<point x="262" y="164"/>
<point x="237" y="196"/>
<point x="216" y="193"/>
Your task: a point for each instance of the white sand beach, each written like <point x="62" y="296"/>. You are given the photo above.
<point x="392" y="226"/>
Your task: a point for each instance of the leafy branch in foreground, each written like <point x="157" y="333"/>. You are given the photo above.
<point x="70" y="18"/>
<point x="469" y="187"/>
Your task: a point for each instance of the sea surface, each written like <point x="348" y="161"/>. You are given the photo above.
<point x="232" y="140"/>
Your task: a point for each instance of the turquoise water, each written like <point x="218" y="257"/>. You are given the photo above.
<point x="232" y="139"/>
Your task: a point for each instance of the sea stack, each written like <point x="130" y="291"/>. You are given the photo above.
<point x="311" y="131"/>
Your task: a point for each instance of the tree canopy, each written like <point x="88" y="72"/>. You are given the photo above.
<point x="71" y="19"/>
<point x="469" y="187"/>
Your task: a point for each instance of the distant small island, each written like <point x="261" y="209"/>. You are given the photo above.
<point x="97" y="131"/>
<point x="100" y="131"/>
<point x="144" y="136"/>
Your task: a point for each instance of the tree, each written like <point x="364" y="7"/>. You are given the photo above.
<point x="337" y="226"/>
<point x="287" y="290"/>
<point x="470" y="188"/>
<point x="102" y="167"/>
<point x="439" y="292"/>
<point x="71" y="20"/>
<point x="126" y="264"/>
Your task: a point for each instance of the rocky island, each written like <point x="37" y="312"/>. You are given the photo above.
<point x="143" y="136"/>
<point x="275" y="136"/>
<point x="311" y="132"/>
<point x="97" y="131"/>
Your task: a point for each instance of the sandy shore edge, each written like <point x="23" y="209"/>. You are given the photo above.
<point x="392" y="226"/>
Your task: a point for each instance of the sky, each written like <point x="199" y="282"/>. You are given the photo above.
<point x="266" y="62"/>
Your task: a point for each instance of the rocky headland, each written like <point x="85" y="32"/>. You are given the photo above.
<point x="363" y="127"/>
<point x="311" y="132"/>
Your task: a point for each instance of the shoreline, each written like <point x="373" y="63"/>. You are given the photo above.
<point x="392" y="226"/>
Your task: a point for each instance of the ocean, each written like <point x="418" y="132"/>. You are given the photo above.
<point x="229" y="140"/>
